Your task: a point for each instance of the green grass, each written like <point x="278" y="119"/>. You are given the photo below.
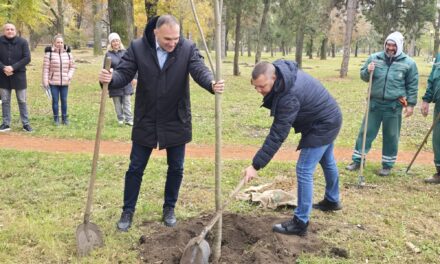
<point x="43" y="195"/>
<point x="243" y="121"/>
<point x="43" y="199"/>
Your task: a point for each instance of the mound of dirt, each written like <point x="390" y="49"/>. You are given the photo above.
<point x="246" y="239"/>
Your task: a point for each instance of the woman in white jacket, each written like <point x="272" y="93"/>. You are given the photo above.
<point x="58" y="69"/>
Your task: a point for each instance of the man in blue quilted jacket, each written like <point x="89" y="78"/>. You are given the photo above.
<point x="298" y="100"/>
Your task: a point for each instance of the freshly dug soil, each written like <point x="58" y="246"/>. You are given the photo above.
<point x="246" y="239"/>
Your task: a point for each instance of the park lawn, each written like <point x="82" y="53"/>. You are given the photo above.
<point x="43" y="199"/>
<point x="244" y="122"/>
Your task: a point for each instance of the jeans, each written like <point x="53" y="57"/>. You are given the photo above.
<point x="123" y="108"/>
<point x="308" y="159"/>
<point x="6" y="105"/>
<point x="58" y="92"/>
<point x="133" y="177"/>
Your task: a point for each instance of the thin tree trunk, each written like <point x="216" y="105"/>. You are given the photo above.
<point x="249" y="44"/>
<point x="96" y="6"/>
<point x="236" y="69"/>
<point x="299" y="45"/>
<point x="271" y="48"/>
<point x="324" y="43"/>
<point x="333" y="50"/>
<point x="412" y="46"/>
<point x="223" y="43"/>
<point x="351" y="12"/>
<point x="262" y="30"/>
<point x="356" y="49"/>
<point x="218" y="135"/>
<point x="60" y="21"/>
<point x="436" y="32"/>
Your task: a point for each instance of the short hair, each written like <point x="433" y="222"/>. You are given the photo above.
<point x="263" y="67"/>
<point x="168" y="20"/>
<point x="8" y="23"/>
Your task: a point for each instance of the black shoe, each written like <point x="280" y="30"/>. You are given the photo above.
<point x="65" y="120"/>
<point x="168" y="217"/>
<point x="56" y="120"/>
<point x="27" y="128"/>
<point x="292" y="227"/>
<point x="125" y="222"/>
<point x="4" y="128"/>
<point x="354" y="166"/>
<point x="325" y="205"/>
<point x="384" y="172"/>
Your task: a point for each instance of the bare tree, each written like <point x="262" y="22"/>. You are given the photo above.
<point x="351" y="13"/>
<point x="238" y="13"/>
<point x="262" y="30"/>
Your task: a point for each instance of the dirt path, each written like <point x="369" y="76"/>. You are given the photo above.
<point x="25" y="142"/>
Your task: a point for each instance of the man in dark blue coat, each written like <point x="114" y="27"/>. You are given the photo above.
<point x="297" y="100"/>
<point x="162" y="111"/>
<point x="14" y="56"/>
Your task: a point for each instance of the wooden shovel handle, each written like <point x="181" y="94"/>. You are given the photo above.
<point x="219" y="213"/>
<point x="104" y="93"/>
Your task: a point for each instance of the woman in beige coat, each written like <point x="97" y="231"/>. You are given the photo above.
<point x="58" y="69"/>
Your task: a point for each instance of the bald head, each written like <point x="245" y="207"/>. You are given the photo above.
<point x="9" y="30"/>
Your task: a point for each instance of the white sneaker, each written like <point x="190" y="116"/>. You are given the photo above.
<point x="120" y="123"/>
<point x="129" y="123"/>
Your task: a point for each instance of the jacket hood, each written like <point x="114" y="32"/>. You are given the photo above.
<point x="287" y="70"/>
<point x="149" y="32"/>
<point x="397" y="38"/>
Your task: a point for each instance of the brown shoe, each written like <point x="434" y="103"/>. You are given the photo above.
<point x="435" y="179"/>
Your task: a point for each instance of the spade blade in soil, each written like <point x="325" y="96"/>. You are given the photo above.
<point x="196" y="253"/>
<point x="88" y="236"/>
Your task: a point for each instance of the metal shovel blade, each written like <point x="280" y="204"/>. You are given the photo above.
<point x="196" y="253"/>
<point x="88" y="236"/>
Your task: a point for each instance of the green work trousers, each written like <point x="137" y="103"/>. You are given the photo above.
<point x="389" y="114"/>
<point x="436" y="135"/>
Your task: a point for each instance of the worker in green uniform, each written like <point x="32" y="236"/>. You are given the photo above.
<point x="432" y="95"/>
<point x="394" y="87"/>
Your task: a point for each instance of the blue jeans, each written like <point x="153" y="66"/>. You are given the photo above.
<point x="6" y="105"/>
<point x="133" y="177"/>
<point x="305" y="167"/>
<point x="57" y="93"/>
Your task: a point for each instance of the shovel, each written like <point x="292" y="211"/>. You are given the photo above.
<point x="423" y="142"/>
<point x="197" y="251"/>
<point x="361" y="179"/>
<point x="88" y="235"/>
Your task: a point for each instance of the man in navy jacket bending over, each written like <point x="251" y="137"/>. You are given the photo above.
<point x="297" y="100"/>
